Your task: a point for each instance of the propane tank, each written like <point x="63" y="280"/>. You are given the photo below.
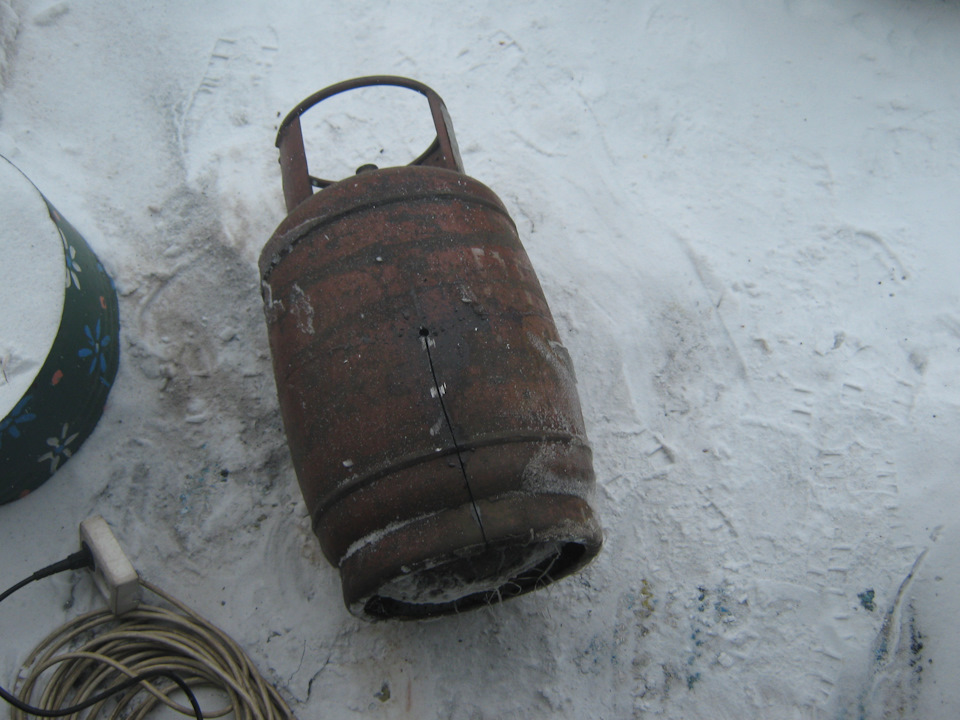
<point x="430" y="408"/>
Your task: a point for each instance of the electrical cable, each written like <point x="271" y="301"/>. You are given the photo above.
<point x="84" y="559"/>
<point x="99" y="655"/>
<point x="79" y="560"/>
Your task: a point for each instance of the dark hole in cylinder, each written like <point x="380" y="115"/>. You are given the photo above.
<point x="557" y="564"/>
<point x="424" y="332"/>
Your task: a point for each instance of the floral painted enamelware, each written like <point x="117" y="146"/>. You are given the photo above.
<point x="63" y="404"/>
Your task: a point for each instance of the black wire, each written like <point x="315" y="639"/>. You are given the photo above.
<point x="79" y="560"/>
<point x="89" y="702"/>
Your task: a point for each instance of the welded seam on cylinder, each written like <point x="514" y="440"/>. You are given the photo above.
<point x="425" y="339"/>
<point x="348" y="487"/>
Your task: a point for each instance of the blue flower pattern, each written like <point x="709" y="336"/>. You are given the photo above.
<point x="17" y="416"/>
<point x="95" y="351"/>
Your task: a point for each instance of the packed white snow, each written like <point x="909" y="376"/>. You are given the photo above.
<point x="744" y="217"/>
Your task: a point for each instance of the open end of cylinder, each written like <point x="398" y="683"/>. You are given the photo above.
<point x="490" y="576"/>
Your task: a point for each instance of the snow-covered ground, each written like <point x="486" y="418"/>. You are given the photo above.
<point x="745" y="217"/>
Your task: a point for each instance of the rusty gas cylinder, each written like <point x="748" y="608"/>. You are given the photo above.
<point x="430" y="408"/>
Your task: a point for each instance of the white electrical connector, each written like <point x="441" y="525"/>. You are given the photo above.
<point x="113" y="573"/>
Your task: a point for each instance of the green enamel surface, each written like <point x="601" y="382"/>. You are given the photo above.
<point x="62" y="406"/>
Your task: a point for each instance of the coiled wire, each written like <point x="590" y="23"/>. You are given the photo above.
<point x="99" y="650"/>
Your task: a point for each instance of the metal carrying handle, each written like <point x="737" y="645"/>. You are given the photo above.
<point x="298" y="184"/>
